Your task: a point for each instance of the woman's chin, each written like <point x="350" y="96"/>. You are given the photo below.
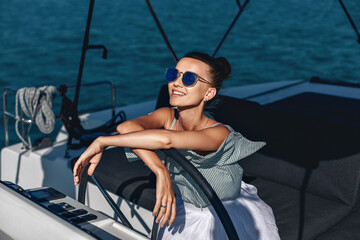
<point x="175" y="102"/>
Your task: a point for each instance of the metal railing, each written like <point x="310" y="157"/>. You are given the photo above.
<point x="23" y="120"/>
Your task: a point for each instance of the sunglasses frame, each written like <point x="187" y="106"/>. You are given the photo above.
<point x="198" y="78"/>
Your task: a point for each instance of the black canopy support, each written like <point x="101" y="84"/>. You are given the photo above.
<point x="239" y="3"/>
<point x="161" y="30"/>
<point x="86" y="47"/>
<point x="350" y="20"/>
<point x="242" y="8"/>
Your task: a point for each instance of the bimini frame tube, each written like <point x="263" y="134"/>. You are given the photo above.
<point x="350" y="20"/>
<point x="162" y="31"/>
<point x="242" y="8"/>
<point x="86" y="47"/>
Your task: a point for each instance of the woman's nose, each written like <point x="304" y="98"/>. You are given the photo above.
<point x="178" y="80"/>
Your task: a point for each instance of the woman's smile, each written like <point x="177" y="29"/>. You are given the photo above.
<point x="177" y="93"/>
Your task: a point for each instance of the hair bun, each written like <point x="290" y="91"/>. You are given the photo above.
<point x="225" y="66"/>
<point x="220" y="68"/>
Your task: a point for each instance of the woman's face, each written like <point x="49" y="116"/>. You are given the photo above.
<point x="182" y="96"/>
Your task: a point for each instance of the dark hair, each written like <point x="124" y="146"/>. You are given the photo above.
<point x="220" y="68"/>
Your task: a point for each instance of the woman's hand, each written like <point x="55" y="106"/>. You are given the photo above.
<point x="165" y="198"/>
<point x="91" y="155"/>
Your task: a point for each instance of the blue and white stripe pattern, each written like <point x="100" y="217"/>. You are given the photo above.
<point x="219" y="168"/>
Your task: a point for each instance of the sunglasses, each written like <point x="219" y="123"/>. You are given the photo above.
<point x="189" y="79"/>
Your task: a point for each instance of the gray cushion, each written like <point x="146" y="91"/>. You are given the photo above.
<point x="348" y="229"/>
<point x="302" y="147"/>
<point x="318" y="214"/>
<point x="336" y="179"/>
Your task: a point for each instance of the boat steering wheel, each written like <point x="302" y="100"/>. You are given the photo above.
<point x="198" y="178"/>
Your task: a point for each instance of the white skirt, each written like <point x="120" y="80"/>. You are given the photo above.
<point x="252" y="218"/>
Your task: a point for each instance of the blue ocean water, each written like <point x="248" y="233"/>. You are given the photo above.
<point x="41" y="43"/>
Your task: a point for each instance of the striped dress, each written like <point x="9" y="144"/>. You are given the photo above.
<point x="196" y="219"/>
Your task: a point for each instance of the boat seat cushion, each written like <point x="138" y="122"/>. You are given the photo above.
<point x="163" y="97"/>
<point x="300" y="149"/>
<point x="349" y="228"/>
<point x="322" y="106"/>
<point x="336" y="179"/>
<point x="300" y="212"/>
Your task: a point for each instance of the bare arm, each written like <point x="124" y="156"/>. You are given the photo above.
<point x="205" y="140"/>
<point x="164" y="190"/>
<point x="152" y="139"/>
<point x="142" y="135"/>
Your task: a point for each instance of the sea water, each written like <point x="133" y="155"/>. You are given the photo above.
<point x="41" y="42"/>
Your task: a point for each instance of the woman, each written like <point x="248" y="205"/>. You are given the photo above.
<point x="215" y="150"/>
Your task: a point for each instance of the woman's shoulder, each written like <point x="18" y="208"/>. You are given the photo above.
<point x="219" y="127"/>
<point x="165" y="113"/>
<point x="217" y="132"/>
<point x="163" y="110"/>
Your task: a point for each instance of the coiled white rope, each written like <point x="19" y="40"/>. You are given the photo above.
<point x="36" y="103"/>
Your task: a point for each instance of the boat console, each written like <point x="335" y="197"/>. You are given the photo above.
<point x="45" y="213"/>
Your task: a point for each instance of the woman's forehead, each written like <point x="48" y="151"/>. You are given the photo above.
<point x="192" y="65"/>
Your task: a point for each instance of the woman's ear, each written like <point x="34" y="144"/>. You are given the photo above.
<point x="210" y="94"/>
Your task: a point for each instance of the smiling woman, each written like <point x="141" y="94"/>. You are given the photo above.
<point x="213" y="148"/>
<point x="272" y="41"/>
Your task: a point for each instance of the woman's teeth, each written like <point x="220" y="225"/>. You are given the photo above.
<point x="178" y="93"/>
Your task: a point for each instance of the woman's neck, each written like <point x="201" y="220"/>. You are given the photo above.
<point x="191" y="119"/>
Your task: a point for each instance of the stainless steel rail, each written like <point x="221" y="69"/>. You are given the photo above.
<point x="23" y="120"/>
<point x="113" y="97"/>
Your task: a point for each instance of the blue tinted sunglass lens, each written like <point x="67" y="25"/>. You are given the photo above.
<point x="171" y="74"/>
<point x="189" y="78"/>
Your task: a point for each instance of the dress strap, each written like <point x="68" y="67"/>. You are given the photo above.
<point x="172" y="124"/>
<point x="176" y="116"/>
<point x="216" y="124"/>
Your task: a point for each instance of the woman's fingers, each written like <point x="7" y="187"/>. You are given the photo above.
<point x="93" y="155"/>
<point x="94" y="162"/>
<point x="167" y="213"/>
<point x="156" y="207"/>
<point x="161" y="214"/>
<point x="165" y="204"/>
<point x="159" y="209"/>
<point x="78" y="168"/>
<point x="78" y="174"/>
<point x="173" y="212"/>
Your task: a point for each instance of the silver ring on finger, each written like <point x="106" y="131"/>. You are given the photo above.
<point x="164" y="206"/>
